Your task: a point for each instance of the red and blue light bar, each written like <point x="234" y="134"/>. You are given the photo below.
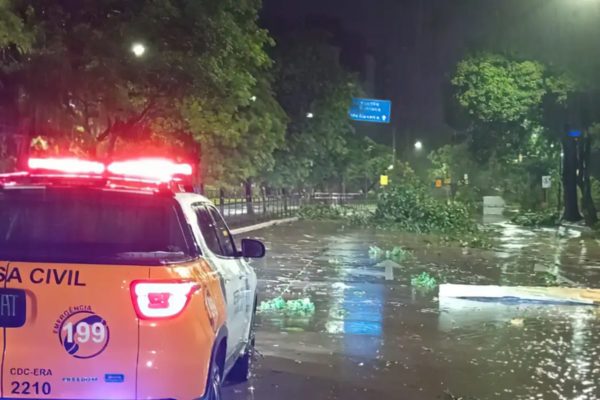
<point x="66" y="165"/>
<point x="149" y="168"/>
<point x="158" y="169"/>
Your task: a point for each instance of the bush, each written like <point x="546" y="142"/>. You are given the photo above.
<point x="415" y="210"/>
<point x="537" y="219"/>
<point x="360" y="217"/>
<point x="322" y="211"/>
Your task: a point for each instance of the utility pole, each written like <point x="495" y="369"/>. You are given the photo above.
<point x="569" y="171"/>
<point x="394" y="145"/>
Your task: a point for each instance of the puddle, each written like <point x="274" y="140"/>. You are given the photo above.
<point x="372" y="338"/>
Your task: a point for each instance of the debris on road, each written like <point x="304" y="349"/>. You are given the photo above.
<point x="397" y="253"/>
<point x="423" y="281"/>
<point x="550" y="295"/>
<point x="300" y="306"/>
<point x="554" y="273"/>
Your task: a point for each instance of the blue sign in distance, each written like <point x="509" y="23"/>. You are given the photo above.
<point x="371" y="110"/>
<point x="575" y="133"/>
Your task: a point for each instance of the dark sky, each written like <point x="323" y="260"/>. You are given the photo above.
<point x="417" y="43"/>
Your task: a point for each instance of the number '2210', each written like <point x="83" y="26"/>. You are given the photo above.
<point x="31" y="388"/>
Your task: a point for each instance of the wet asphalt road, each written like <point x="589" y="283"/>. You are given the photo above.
<point x="372" y="338"/>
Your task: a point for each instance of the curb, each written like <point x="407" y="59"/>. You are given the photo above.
<point x="263" y="225"/>
<point x="576" y="227"/>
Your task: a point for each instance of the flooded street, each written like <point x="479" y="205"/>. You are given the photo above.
<point x="373" y="336"/>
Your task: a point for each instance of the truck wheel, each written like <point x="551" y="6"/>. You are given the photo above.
<point x="215" y="383"/>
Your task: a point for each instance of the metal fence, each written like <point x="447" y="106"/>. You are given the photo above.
<point x="238" y="209"/>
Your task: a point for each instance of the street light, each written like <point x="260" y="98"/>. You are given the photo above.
<point x="418" y="145"/>
<point x="391" y="167"/>
<point x="138" y="49"/>
<point x="310" y="115"/>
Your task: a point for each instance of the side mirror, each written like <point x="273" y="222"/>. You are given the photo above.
<point x="253" y="248"/>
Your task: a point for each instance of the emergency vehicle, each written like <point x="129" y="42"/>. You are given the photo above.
<point x="118" y="282"/>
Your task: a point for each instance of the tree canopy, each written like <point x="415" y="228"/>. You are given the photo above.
<point x="315" y="91"/>
<point x="205" y="61"/>
<point x="206" y="83"/>
<point x="505" y="99"/>
<point x="13" y="31"/>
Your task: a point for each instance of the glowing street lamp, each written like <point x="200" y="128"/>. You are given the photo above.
<point x="418" y="145"/>
<point x="138" y="49"/>
<point x="310" y="115"/>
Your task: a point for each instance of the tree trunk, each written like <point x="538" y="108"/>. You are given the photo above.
<point x="570" y="180"/>
<point x="248" y="188"/>
<point x="343" y="197"/>
<point x="263" y="195"/>
<point x="587" y="202"/>
<point x="453" y="190"/>
<point x="284" y="193"/>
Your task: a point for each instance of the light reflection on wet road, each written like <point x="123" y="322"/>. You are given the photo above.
<point x="375" y="339"/>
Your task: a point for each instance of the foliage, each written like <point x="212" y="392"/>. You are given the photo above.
<point x="205" y="61"/>
<point x="424" y="281"/>
<point x="452" y="161"/>
<point x="509" y="146"/>
<point x="550" y="279"/>
<point x="395" y="254"/>
<point x="495" y="89"/>
<point x="366" y="161"/>
<point x="479" y="239"/>
<point x="299" y="306"/>
<point x="323" y="211"/>
<point x="13" y="31"/>
<point x="547" y="218"/>
<point x="257" y="131"/>
<point x="360" y="217"/>
<point x="310" y="80"/>
<point x="595" y="190"/>
<point x="456" y="162"/>
<point x="412" y="208"/>
<point x="506" y="99"/>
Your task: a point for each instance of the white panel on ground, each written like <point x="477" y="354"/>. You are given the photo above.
<point x="493" y="205"/>
<point x="542" y="294"/>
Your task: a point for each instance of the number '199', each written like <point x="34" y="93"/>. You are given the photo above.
<point x="85" y="332"/>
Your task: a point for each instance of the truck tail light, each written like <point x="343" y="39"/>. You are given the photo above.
<point x="161" y="299"/>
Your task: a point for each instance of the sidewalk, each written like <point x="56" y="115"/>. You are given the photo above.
<point x="263" y="225"/>
<point x="576" y="226"/>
